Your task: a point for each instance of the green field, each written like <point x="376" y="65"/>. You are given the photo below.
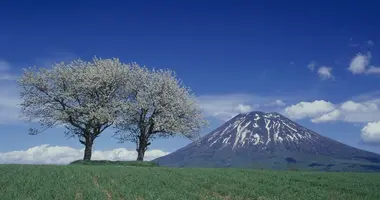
<point x="76" y="182"/>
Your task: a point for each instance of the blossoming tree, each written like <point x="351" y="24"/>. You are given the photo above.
<point x="84" y="97"/>
<point x="161" y="106"/>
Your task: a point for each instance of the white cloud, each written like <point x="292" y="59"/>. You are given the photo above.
<point x="279" y="103"/>
<point x="312" y="65"/>
<point x="325" y="72"/>
<point x="371" y="133"/>
<point x="331" y="116"/>
<point x="309" y="109"/>
<point x="373" y="70"/>
<point x="225" y="107"/>
<point x="370" y="43"/>
<point x="243" y="108"/>
<point x="276" y="103"/>
<point x="351" y="106"/>
<point x="46" y="154"/>
<point x="364" y="111"/>
<point x="349" y="111"/>
<point x="359" y="63"/>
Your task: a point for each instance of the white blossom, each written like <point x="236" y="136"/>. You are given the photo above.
<point x="88" y="97"/>
<point x="160" y="107"/>
<point x="85" y="97"/>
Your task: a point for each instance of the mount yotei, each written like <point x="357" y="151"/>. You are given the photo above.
<point x="270" y="140"/>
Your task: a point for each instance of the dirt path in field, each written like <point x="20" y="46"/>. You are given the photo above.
<point x="96" y="183"/>
<point x="106" y="192"/>
<point x="215" y="194"/>
<point x="78" y="196"/>
<point x="223" y="197"/>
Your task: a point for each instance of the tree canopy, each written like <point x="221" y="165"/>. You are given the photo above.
<point x="84" y="97"/>
<point x="89" y="97"/>
<point x="161" y="106"/>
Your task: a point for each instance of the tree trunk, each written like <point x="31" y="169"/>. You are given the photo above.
<point x="141" y="148"/>
<point x="88" y="149"/>
<point x="140" y="153"/>
<point x="143" y="140"/>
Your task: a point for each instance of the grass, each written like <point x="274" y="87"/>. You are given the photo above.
<point x="108" y="162"/>
<point x="117" y="182"/>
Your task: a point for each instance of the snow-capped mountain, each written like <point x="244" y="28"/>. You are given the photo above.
<point x="266" y="139"/>
<point x="262" y="130"/>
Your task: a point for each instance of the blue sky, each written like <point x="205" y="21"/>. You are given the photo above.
<point x="237" y="56"/>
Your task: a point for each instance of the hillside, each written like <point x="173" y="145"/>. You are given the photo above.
<point x="271" y="141"/>
<point x="85" y="182"/>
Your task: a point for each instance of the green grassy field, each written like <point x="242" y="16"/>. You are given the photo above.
<point x="117" y="182"/>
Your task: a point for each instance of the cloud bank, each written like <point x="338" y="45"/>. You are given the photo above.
<point x="320" y="111"/>
<point x="323" y="111"/>
<point x="371" y="133"/>
<point x="46" y="154"/>
<point x="225" y="107"/>
<point x="331" y="116"/>
<point x="308" y="109"/>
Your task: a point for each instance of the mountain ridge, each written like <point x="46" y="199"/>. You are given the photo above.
<point x="258" y="137"/>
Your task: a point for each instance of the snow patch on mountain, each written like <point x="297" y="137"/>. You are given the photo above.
<point x="258" y="128"/>
<point x="258" y="137"/>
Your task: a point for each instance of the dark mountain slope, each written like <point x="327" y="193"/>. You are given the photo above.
<point x="270" y="140"/>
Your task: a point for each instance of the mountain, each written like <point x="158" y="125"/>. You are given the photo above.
<point x="270" y="140"/>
